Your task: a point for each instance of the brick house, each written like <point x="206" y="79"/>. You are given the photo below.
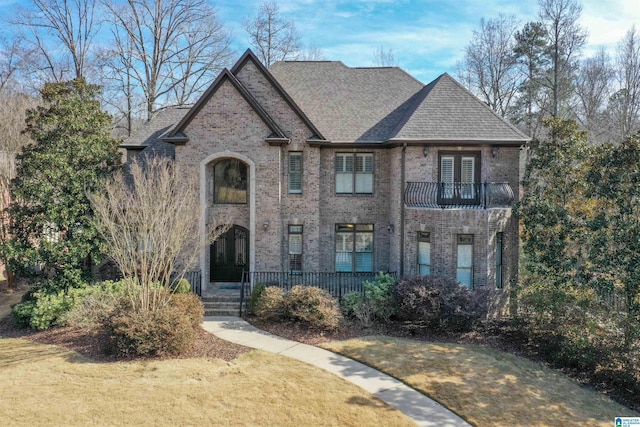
<point x="327" y="168"/>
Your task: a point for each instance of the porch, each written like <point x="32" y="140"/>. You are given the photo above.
<point x="458" y="195"/>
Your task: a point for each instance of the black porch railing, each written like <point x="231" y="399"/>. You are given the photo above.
<point x="194" y="279"/>
<point x="458" y="195"/>
<point x="337" y="284"/>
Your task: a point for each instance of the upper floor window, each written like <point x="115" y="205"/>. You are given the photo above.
<point x="459" y="178"/>
<point x="230" y="181"/>
<point x="354" y="173"/>
<point x="354" y="247"/>
<point x="295" y="172"/>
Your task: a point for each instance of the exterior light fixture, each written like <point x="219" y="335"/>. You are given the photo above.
<point x="265" y="225"/>
<point x="390" y="227"/>
<point x="425" y="151"/>
<point x="494" y="151"/>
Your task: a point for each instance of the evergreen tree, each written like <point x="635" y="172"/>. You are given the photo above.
<point x="72" y="153"/>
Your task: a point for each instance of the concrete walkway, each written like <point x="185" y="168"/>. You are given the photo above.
<point x="424" y="411"/>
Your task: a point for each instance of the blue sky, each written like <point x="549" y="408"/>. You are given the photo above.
<point x="427" y="37"/>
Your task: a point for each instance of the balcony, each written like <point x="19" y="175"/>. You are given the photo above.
<point x="458" y="195"/>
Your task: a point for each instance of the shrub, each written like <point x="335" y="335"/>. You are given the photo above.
<point x="255" y="296"/>
<point x="438" y="301"/>
<point x="270" y="304"/>
<point x="349" y="304"/>
<point x="44" y="308"/>
<point x="164" y="331"/>
<point x="313" y="306"/>
<point x="190" y="306"/>
<point x="97" y="305"/>
<point x="182" y="286"/>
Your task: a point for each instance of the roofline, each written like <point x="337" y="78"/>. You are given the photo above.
<point x="225" y="74"/>
<point x="393" y="143"/>
<point x="249" y="55"/>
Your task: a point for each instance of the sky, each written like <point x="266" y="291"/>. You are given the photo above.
<point x="427" y="37"/>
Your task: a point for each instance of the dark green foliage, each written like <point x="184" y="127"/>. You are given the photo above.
<point x="51" y="217"/>
<point x="349" y="304"/>
<point x="255" y="296"/>
<point x="312" y="306"/>
<point x="377" y="296"/>
<point x="182" y="286"/>
<point x="438" y="301"/>
<point x="189" y="305"/>
<point x="45" y="308"/>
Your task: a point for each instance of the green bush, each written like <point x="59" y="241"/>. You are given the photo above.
<point x="97" y="305"/>
<point x="438" y="301"/>
<point x="255" y="296"/>
<point x="349" y="304"/>
<point x="313" y="306"/>
<point x="44" y="308"/>
<point x="190" y="306"/>
<point x="270" y="304"/>
<point x="165" y="331"/>
<point x="182" y="286"/>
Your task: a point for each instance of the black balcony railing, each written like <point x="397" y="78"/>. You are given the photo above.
<point x="458" y="195"/>
<point x="337" y="284"/>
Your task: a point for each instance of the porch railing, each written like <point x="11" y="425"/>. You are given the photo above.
<point x="337" y="284"/>
<point x="458" y="195"/>
<point x="194" y="278"/>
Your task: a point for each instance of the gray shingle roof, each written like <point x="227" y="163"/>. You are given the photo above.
<point x="380" y="104"/>
<point x="445" y="110"/>
<point x="152" y="132"/>
<point x="348" y="104"/>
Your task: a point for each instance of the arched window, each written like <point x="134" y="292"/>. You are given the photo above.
<point x="230" y="181"/>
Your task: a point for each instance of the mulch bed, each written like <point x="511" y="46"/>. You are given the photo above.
<point x="94" y="344"/>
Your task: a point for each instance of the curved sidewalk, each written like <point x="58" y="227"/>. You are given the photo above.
<point x="424" y="411"/>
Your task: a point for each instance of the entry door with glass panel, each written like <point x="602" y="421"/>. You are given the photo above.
<point x="230" y="255"/>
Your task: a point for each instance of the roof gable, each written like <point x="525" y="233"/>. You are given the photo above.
<point x="249" y="56"/>
<point x="176" y="135"/>
<point x="446" y="111"/>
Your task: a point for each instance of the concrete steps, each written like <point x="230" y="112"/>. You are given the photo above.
<point x="222" y="300"/>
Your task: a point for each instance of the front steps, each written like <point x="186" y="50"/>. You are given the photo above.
<point x="222" y="299"/>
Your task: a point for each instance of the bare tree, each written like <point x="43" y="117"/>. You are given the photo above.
<point x="149" y="219"/>
<point x="312" y="53"/>
<point x="626" y="101"/>
<point x="565" y="39"/>
<point x="384" y="58"/>
<point x="593" y="89"/>
<point x="273" y="37"/>
<point x="168" y="50"/>
<point x="490" y="63"/>
<point x="48" y="25"/>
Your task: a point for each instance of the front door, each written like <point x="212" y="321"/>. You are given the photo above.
<point x="230" y="255"/>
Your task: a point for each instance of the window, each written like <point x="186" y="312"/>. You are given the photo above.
<point x="424" y="253"/>
<point x="295" y="172"/>
<point x="354" y="173"/>
<point x="499" y="260"/>
<point x="354" y="247"/>
<point x="465" y="260"/>
<point x="459" y="178"/>
<point x="230" y="181"/>
<point x="295" y="248"/>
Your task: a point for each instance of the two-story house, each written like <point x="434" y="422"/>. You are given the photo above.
<point x="328" y="168"/>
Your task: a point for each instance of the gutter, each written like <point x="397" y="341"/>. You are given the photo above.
<point x="402" y="185"/>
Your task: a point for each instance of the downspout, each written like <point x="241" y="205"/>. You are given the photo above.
<point x="402" y="185"/>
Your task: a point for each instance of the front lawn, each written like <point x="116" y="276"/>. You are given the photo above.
<point x="485" y="386"/>
<point x="48" y="385"/>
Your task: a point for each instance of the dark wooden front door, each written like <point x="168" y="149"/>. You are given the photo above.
<point x="230" y="255"/>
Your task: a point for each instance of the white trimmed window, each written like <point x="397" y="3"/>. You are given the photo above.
<point x="459" y="177"/>
<point x="465" y="260"/>
<point x="354" y="173"/>
<point x="295" y="172"/>
<point x="354" y="247"/>
<point x="424" y="253"/>
<point x="295" y="248"/>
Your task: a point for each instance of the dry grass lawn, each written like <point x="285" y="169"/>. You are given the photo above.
<point x="484" y="386"/>
<point x="47" y="385"/>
